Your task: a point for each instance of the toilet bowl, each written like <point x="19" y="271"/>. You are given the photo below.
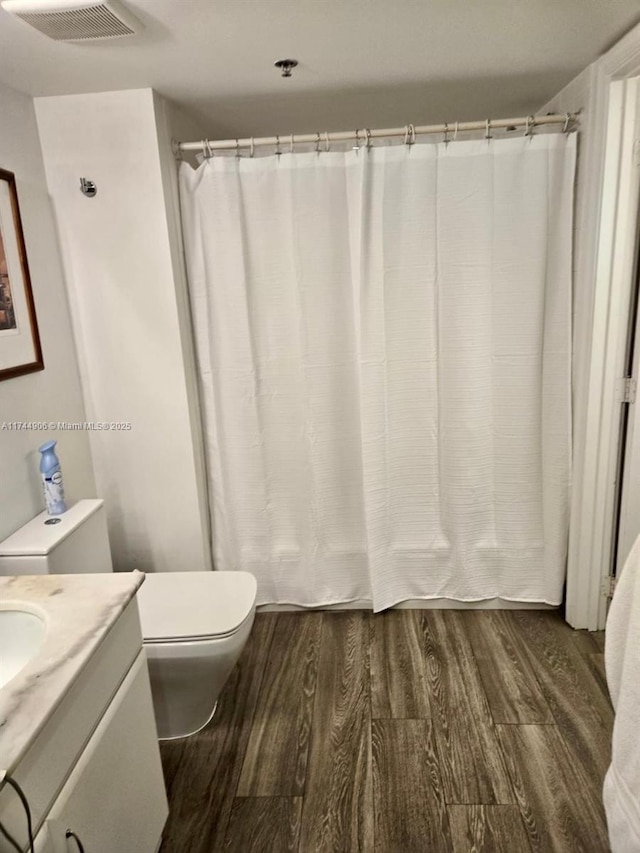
<point x="194" y="624"/>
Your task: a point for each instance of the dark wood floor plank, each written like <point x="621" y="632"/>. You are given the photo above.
<point x="471" y="762"/>
<point x="584" y="642"/>
<point x="596" y="663"/>
<point x="264" y="825"/>
<point x="571" y="688"/>
<point x="409" y="807"/>
<point x="487" y="829"/>
<point x="557" y="768"/>
<point x="172" y="753"/>
<point x="203" y="770"/>
<point x="276" y="758"/>
<point x="560" y="808"/>
<point x="512" y="689"/>
<point x="337" y="812"/>
<point x="399" y="685"/>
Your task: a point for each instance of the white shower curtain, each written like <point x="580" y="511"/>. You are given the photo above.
<point x="383" y="343"/>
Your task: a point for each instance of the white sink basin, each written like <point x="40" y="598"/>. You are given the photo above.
<point x="21" y="638"/>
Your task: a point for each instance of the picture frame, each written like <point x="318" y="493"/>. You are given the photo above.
<point x="20" y="349"/>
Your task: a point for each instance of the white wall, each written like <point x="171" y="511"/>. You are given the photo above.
<point x="174" y="124"/>
<point x="54" y="393"/>
<point x="116" y="250"/>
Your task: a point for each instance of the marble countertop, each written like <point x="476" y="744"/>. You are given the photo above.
<point x="79" y="611"/>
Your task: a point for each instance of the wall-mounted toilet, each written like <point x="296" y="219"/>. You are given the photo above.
<point x="194" y="624"/>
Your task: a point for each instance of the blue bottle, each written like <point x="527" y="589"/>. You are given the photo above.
<point x="52" y="479"/>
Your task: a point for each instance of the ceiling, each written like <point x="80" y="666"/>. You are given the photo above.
<point x="363" y="63"/>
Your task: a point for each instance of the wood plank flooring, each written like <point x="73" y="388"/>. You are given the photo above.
<point x="411" y="730"/>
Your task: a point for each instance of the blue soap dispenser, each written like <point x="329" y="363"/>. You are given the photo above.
<point x="52" y="479"/>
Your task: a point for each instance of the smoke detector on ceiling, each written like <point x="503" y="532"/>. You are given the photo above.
<point x="75" y="20"/>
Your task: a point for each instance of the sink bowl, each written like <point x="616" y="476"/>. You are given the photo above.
<point x="21" y="638"/>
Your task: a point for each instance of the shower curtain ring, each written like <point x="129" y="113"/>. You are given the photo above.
<point x="368" y="132"/>
<point x="317" y="142"/>
<point x="278" y="151"/>
<point x="487" y="134"/>
<point x="251" y="152"/>
<point x="291" y="144"/>
<point x="412" y="131"/>
<point x="567" y="119"/>
<point x="357" y="145"/>
<point x="237" y="148"/>
<point x="528" y="130"/>
<point x="326" y="141"/>
<point x="446" y="134"/>
<point x="455" y="132"/>
<point x="406" y="134"/>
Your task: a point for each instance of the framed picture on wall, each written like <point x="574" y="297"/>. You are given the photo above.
<point x="20" y="350"/>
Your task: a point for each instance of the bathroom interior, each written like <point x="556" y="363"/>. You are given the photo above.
<point x="329" y="311"/>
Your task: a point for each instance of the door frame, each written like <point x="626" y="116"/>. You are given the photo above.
<point x="600" y="341"/>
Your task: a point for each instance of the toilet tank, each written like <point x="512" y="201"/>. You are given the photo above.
<point x="74" y="542"/>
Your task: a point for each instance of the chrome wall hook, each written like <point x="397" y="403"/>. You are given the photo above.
<point x="88" y="188"/>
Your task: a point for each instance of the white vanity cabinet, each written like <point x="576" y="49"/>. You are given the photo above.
<point x="95" y="769"/>
<point x="114" y="799"/>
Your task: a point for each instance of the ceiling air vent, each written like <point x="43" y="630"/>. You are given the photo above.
<point x="75" y="20"/>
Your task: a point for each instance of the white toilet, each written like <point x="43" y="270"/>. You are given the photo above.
<point x="194" y="624"/>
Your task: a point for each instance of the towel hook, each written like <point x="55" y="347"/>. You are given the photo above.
<point x="88" y="187"/>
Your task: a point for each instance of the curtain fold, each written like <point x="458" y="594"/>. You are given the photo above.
<point x="383" y="345"/>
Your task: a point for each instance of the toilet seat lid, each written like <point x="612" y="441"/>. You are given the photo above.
<point x="192" y="605"/>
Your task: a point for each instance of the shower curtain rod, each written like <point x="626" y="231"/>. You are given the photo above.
<point x="322" y="141"/>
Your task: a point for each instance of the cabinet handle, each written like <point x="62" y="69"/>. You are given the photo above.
<point x="70" y="834"/>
